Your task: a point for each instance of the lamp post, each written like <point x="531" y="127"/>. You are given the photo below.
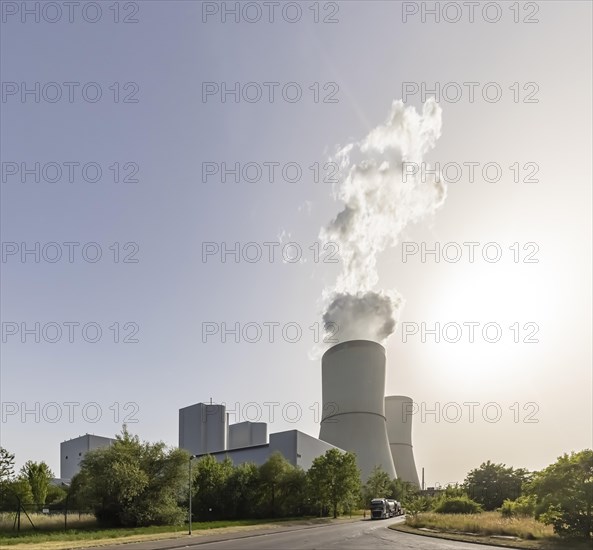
<point x="191" y="457"/>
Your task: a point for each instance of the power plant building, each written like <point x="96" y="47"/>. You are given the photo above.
<point x="247" y="434"/>
<point x="73" y="451"/>
<point x="300" y="449"/>
<point x="203" y="428"/>
<point x="201" y="433"/>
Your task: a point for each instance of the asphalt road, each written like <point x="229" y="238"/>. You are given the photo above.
<point x="357" y="535"/>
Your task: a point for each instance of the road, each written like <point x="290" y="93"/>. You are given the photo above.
<point x="357" y="535"/>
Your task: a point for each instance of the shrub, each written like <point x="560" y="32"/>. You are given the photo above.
<point x="523" y="506"/>
<point x="457" y="505"/>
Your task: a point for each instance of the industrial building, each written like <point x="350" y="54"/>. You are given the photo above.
<point x="357" y="417"/>
<point x="298" y="448"/>
<point x="204" y="429"/>
<point x="73" y="451"/>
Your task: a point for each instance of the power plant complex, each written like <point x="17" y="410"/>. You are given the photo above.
<point x="357" y="417"/>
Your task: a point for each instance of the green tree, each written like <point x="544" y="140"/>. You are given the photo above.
<point x="335" y="480"/>
<point x="6" y="465"/>
<point x="132" y="483"/>
<point x="404" y="492"/>
<point x="293" y="492"/>
<point x="272" y="474"/>
<point x="243" y="491"/>
<point x="378" y="485"/>
<point x="16" y="491"/>
<point x="55" y="494"/>
<point x="491" y="484"/>
<point x="564" y="493"/>
<point x="211" y="488"/>
<point x="39" y="475"/>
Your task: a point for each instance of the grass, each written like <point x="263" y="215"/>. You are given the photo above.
<point x="486" y="523"/>
<point x="487" y="528"/>
<point x="46" y="522"/>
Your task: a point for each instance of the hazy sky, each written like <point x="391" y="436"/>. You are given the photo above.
<point x="161" y="117"/>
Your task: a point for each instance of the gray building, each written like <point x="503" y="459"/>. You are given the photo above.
<point x="203" y="428"/>
<point x="73" y="451"/>
<point x="297" y="447"/>
<point x="247" y="434"/>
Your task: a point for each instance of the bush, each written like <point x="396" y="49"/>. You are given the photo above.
<point x="418" y="504"/>
<point x="523" y="506"/>
<point x="457" y="505"/>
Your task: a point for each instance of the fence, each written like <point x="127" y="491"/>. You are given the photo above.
<point x="16" y="516"/>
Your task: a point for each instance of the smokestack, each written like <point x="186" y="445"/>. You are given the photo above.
<point x="398" y="411"/>
<point x="353" y="418"/>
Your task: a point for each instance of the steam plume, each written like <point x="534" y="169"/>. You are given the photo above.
<point x="385" y="187"/>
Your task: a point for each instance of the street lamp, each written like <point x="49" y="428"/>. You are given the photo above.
<point x="191" y="457"/>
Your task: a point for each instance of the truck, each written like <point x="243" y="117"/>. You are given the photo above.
<point x="379" y="508"/>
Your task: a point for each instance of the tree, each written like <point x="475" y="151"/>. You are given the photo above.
<point x="272" y="473"/>
<point x="39" y="476"/>
<point x="15" y="492"/>
<point x="211" y="488"/>
<point x="293" y="492"/>
<point x="243" y="487"/>
<point x="132" y="483"/>
<point x="55" y="494"/>
<point x="403" y="491"/>
<point x="6" y="465"/>
<point x="335" y="480"/>
<point x="564" y="494"/>
<point x="491" y="484"/>
<point x="378" y="485"/>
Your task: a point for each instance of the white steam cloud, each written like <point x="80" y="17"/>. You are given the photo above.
<point x="385" y="187"/>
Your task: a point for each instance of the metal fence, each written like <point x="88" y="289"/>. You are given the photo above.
<point x="16" y="516"/>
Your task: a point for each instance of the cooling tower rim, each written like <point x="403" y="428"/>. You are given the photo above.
<point x="353" y="344"/>
<point x="398" y="398"/>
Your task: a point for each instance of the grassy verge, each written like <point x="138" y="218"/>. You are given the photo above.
<point x="488" y="528"/>
<point x="86" y="537"/>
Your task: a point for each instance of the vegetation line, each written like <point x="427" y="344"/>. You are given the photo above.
<point x="142" y="489"/>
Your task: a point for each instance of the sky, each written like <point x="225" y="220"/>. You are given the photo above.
<point x="130" y="110"/>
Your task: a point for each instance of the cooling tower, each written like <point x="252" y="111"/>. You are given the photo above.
<point x="398" y="411"/>
<point x="353" y="414"/>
